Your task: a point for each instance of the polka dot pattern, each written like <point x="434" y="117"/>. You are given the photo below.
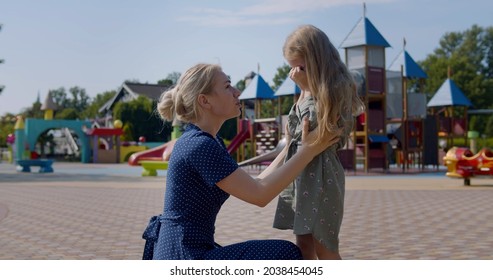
<point x="192" y="201"/>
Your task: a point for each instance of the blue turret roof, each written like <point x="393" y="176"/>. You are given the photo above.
<point x="411" y="68"/>
<point x="288" y="87"/>
<point x="449" y="94"/>
<point x="364" y="33"/>
<point x="257" y="89"/>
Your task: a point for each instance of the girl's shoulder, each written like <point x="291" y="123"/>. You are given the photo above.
<point x="305" y="105"/>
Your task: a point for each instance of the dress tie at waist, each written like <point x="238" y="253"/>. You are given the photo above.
<point x="151" y="234"/>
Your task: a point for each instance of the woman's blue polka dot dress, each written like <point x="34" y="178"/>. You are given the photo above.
<point x="192" y="201"/>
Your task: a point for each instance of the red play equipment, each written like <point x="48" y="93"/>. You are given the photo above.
<point x="243" y="134"/>
<point x="109" y="153"/>
<point x="463" y="163"/>
<point x="155" y="154"/>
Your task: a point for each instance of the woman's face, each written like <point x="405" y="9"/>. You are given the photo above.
<point x="224" y="99"/>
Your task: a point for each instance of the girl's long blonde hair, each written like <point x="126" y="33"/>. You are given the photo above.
<point x="329" y="81"/>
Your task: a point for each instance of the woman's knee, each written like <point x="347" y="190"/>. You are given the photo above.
<point x="289" y="251"/>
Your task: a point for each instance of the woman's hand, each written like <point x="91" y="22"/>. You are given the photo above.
<point x="308" y="139"/>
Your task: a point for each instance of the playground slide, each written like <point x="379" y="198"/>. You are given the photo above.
<point x="239" y="138"/>
<point x="151" y="154"/>
<point x="269" y="156"/>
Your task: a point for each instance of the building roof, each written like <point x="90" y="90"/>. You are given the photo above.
<point x="410" y="67"/>
<point x="364" y="33"/>
<point x="257" y="88"/>
<point x="288" y="87"/>
<point x="48" y="104"/>
<point x="151" y="91"/>
<point x="130" y="91"/>
<point x="449" y="94"/>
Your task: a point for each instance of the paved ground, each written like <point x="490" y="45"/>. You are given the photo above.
<point x="88" y="211"/>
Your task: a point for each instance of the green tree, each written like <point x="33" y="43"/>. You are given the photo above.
<point x="34" y="111"/>
<point x="144" y="119"/>
<point x="67" y="114"/>
<point x="469" y="56"/>
<point x="170" y="80"/>
<point x="281" y="75"/>
<point x="240" y="85"/>
<point x="1" y="61"/>
<point x="7" y="123"/>
<point x="92" y="111"/>
<point x="59" y="97"/>
<point x="229" y="129"/>
<point x="71" y="105"/>
<point x="79" y="99"/>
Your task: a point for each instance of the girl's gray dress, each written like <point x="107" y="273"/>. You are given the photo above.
<point x="314" y="202"/>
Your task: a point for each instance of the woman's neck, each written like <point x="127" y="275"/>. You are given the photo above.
<point x="205" y="124"/>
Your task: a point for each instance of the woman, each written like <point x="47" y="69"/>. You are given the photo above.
<point x="202" y="175"/>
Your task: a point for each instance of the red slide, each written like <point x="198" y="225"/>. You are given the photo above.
<point x="239" y="138"/>
<point x="151" y="154"/>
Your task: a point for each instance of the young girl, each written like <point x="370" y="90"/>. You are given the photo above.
<point x="314" y="206"/>
<point x="202" y="175"/>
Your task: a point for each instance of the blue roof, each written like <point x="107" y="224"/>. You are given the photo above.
<point x="257" y="89"/>
<point x="411" y="68"/>
<point x="378" y="138"/>
<point x="364" y="33"/>
<point x="288" y="87"/>
<point x="449" y="94"/>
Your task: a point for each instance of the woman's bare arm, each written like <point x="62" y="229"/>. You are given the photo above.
<point x="261" y="191"/>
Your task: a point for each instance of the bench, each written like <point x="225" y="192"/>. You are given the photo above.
<point x="150" y="167"/>
<point x="24" y="165"/>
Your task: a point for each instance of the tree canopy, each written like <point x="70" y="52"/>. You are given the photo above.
<point x="467" y="57"/>
<point x="468" y="54"/>
<point x="140" y="119"/>
<point x="1" y="61"/>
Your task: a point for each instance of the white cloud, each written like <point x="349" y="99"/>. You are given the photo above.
<point x="262" y="12"/>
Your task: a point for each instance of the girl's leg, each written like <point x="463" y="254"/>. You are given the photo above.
<point x="306" y="244"/>
<point x="323" y="253"/>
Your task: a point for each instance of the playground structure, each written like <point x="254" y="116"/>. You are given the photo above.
<point x="462" y="163"/>
<point x="105" y="148"/>
<point x="159" y="153"/>
<point x="392" y="128"/>
<point x="257" y="136"/>
<point x="397" y="127"/>
<point x="266" y="157"/>
<point x="156" y="158"/>
<point x="446" y="105"/>
<point x="393" y="124"/>
<point x="45" y="165"/>
<point x="106" y="144"/>
<point x="27" y="134"/>
<point x="262" y="142"/>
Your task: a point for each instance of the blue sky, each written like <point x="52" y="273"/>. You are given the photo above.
<point x="98" y="44"/>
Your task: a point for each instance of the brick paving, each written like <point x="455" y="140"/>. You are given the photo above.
<point x="88" y="211"/>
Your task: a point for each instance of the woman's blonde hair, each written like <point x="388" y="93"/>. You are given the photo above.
<point x="329" y="81"/>
<point x="180" y="102"/>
